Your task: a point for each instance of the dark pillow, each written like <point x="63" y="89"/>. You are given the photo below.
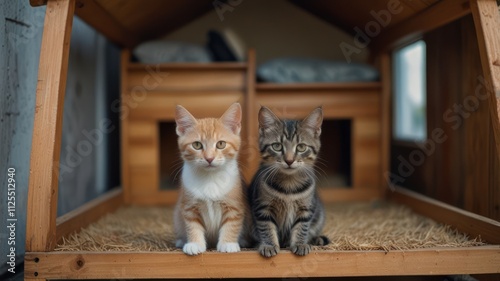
<point x="219" y="48"/>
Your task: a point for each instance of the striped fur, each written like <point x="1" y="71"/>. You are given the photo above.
<point x="211" y="207"/>
<point x="285" y="206"/>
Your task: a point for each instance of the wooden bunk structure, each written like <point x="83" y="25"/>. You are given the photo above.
<point x="366" y="105"/>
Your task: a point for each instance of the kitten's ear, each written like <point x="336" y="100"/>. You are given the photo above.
<point x="232" y="118"/>
<point x="184" y="120"/>
<point x="267" y="118"/>
<point x="314" y="121"/>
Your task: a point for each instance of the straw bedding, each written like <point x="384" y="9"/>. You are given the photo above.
<point x="350" y="226"/>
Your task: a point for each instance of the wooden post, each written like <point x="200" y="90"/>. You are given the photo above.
<point x="386" y="112"/>
<point x="46" y="143"/>
<point x="487" y="23"/>
<point x="250" y="153"/>
<point x="124" y="122"/>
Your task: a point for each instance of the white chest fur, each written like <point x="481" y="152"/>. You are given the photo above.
<point x="212" y="218"/>
<point x="210" y="185"/>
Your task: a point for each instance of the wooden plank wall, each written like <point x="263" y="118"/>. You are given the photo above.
<point x="486" y="14"/>
<point x="463" y="171"/>
<point x="444" y="90"/>
<point x="150" y="94"/>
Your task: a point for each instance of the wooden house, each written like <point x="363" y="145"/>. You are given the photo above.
<point x="459" y="188"/>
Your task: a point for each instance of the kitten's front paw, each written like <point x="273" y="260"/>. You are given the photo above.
<point x="301" y="249"/>
<point x="268" y="250"/>
<point x="193" y="249"/>
<point x="228" y="247"/>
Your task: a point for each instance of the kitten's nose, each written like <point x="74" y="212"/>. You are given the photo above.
<point x="289" y="162"/>
<point x="209" y="160"/>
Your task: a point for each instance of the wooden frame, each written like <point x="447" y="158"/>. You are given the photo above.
<point x="44" y="229"/>
<point x="467" y="222"/>
<point x="249" y="151"/>
<point x="385" y="119"/>
<point x="110" y="28"/>
<point x="248" y="264"/>
<point x="64" y="265"/>
<point x="46" y="142"/>
<point x="88" y="213"/>
<point x="124" y="124"/>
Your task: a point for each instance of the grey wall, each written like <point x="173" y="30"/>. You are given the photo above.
<point x="89" y="92"/>
<point x="274" y="28"/>
<point x="20" y="37"/>
<point x="84" y="162"/>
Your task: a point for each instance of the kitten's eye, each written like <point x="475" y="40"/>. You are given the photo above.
<point x="301" y="147"/>
<point x="277" y="146"/>
<point x="197" y="145"/>
<point x="221" y="144"/>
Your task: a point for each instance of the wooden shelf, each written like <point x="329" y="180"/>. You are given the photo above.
<point x="191" y="66"/>
<point x="318" y="86"/>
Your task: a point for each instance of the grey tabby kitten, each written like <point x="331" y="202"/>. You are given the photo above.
<point x="285" y="206"/>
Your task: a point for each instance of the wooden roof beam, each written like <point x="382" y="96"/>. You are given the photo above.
<point x="94" y="15"/>
<point x="437" y="15"/>
<point x="37" y="3"/>
<point x="97" y="17"/>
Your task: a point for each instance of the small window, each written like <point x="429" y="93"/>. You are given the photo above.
<point x="409" y="93"/>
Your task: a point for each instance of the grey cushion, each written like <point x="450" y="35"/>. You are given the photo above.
<point x="161" y="51"/>
<point x="289" y="70"/>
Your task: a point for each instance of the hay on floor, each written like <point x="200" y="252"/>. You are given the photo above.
<point x="350" y="226"/>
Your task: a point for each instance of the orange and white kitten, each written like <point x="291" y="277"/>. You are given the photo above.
<point x="211" y="206"/>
